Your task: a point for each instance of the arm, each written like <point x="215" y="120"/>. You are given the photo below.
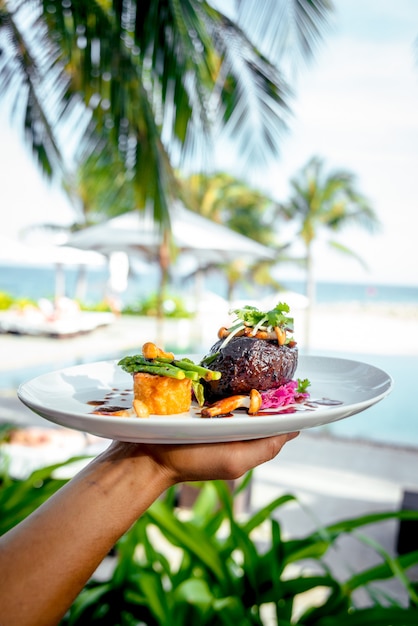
<point x="47" y="559"/>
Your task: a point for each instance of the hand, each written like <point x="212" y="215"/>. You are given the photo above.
<point x="68" y="536"/>
<point x="205" y="461"/>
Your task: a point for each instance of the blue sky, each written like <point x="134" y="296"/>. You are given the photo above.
<point x="356" y="107"/>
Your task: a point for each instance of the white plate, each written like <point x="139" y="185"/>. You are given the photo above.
<point x="67" y="397"/>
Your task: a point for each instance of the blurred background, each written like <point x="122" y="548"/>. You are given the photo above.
<point x="161" y="167"/>
<point x="305" y="170"/>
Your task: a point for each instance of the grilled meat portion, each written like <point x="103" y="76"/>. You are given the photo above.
<point x="247" y="363"/>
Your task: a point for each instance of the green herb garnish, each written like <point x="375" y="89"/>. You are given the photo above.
<point x="302" y="385"/>
<point x="253" y="318"/>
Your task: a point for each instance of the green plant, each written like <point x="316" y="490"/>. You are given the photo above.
<point x="20" y="497"/>
<point x="6" y="301"/>
<point x="210" y="566"/>
<point x="173" y="307"/>
<point x="97" y="307"/>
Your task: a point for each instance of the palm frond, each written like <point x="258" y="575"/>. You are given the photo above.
<point x="150" y="77"/>
<point x="339" y="247"/>
<point x="285" y="29"/>
<point x="40" y="90"/>
<point x="254" y="99"/>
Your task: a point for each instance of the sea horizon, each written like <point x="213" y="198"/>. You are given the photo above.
<point x="27" y="281"/>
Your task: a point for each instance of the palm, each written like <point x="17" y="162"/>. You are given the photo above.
<point x="321" y="201"/>
<point x="147" y="79"/>
<point x="232" y="202"/>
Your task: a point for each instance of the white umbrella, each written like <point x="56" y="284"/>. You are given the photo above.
<point x="207" y="241"/>
<point x="15" y="252"/>
<point x="193" y="235"/>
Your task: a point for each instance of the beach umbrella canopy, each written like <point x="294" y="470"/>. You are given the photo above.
<point x="16" y="252"/>
<point x="207" y="241"/>
<point x="136" y="232"/>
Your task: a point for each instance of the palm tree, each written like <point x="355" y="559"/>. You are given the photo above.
<point x="234" y="203"/>
<point x="325" y="201"/>
<point x="147" y="80"/>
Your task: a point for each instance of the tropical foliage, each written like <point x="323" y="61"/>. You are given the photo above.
<point x="143" y="84"/>
<point x="325" y="201"/>
<point x="217" y="566"/>
<point x="213" y="568"/>
<point x="228" y="200"/>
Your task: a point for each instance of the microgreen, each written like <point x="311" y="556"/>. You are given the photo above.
<point x="251" y="316"/>
<point x="303" y="385"/>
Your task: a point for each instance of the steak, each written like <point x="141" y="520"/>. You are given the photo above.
<point x="247" y="363"/>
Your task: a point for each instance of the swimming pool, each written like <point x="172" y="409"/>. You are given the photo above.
<point x="394" y="420"/>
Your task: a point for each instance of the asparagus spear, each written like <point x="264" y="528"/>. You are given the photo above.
<point x="202" y="372"/>
<point x="162" y="366"/>
<point x="139" y="364"/>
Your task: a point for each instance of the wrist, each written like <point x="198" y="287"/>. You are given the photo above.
<point x="135" y="473"/>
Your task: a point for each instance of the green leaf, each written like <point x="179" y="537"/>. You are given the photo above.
<point x="194" y="591"/>
<point x="391" y="567"/>
<point x="255" y="318"/>
<point x="231" y="611"/>
<point x="276" y="563"/>
<point x="303" y="385"/>
<point x="348" y="525"/>
<point x="188" y="537"/>
<point x="156" y="597"/>
<point x="299" y="549"/>
<point x="376" y="616"/>
<point x="206" y="503"/>
<point x="260" y="516"/>
<point x="20" y="497"/>
<point x="88" y="598"/>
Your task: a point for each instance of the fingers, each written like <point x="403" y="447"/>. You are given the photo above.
<point x="228" y="461"/>
<point x="279" y="440"/>
<point x="206" y="461"/>
<point x="257" y="451"/>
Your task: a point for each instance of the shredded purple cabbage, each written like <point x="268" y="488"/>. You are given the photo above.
<point x="282" y="396"/>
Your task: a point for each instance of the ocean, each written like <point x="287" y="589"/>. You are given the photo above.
<point x="392" y="421"/>
<point x="36" y="282"/>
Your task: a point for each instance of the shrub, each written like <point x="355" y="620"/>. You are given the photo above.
<point x="98" y="307"/>
<point x="213" y="572"/>
<point x="173" y="307"/>
<point x="210" y="568"/>
<point x="6" y="301"/>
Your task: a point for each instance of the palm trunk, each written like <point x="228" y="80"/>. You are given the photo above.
<point x="310" y="293"/>
<point x="164" y="261"/>
<point x="230" y="292"/>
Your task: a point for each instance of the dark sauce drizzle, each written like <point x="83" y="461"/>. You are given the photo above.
<point x="118" y="400"/>
<point x="114" y="401"/>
